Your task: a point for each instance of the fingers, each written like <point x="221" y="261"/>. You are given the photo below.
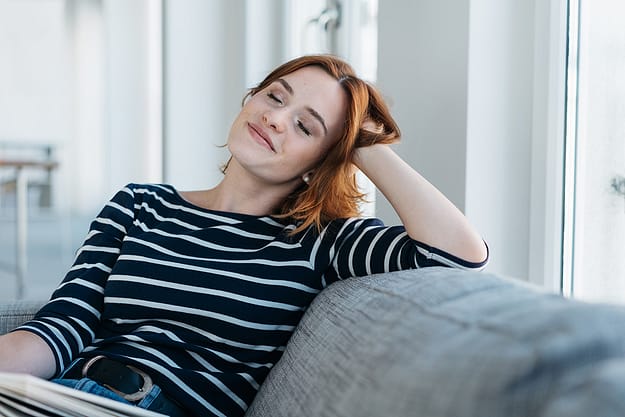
<point x="372" y="132"/>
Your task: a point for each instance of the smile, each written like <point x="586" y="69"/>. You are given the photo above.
<point x="260" y="136"/>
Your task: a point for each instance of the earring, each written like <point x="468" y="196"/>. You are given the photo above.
<point x="306" y="178"/>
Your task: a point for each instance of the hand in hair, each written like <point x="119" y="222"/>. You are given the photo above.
<point x="372" y="132"/>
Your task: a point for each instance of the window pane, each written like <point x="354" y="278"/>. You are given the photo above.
<point x="599" y="224"/>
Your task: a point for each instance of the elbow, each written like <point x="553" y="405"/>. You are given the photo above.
<point x="478" y="253"/>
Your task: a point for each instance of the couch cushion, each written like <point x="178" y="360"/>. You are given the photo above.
<point x="445" y="342"/>
<point x="14" y="313"/>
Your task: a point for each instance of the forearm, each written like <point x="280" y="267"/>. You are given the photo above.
<point x="426" y="213"/>
<point x="25" y="352"/>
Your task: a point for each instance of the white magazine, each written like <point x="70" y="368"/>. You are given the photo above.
<point x="27" y="395"/>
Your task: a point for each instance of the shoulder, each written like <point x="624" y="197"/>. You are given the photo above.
<point x="351" y="224"/>
<point x="150" y="188"/>
<point x="134" y="193"/>
<point x="148" y="191"/>
<point x="339" y="229"/>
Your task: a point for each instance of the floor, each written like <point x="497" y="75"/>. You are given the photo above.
<point x="53" y="238"/>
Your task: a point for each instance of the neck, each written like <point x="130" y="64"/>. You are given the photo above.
<point x="245" y="197"/>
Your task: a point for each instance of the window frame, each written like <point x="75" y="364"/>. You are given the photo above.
<point x="546" y="246"/>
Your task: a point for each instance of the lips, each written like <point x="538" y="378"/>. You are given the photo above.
<point x="260" y="136"/>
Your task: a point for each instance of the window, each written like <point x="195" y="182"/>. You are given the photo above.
<point x="594" y="208"/>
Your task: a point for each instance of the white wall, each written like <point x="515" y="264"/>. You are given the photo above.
<point x="463" y="85"/>
<point x="133" y="92"/>
<point x="499" y="141"/>
<point x="265" y="39"/>
<point x="204" y="84"/>
<point x="84" y="159"/>
<point x="33" y="80"/>
<point x="116" y="102"/>
<point x="422" y="69"/>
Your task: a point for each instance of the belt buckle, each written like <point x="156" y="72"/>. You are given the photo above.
<point x="135" y="396"/>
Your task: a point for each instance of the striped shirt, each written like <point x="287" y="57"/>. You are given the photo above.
<point x="205" y="301"/>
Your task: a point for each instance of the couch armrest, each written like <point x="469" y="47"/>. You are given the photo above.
<point x="14" y="313"/>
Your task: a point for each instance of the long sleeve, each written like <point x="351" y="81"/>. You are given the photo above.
<point x="68" y="321"/>
<point x="366" y="246"/>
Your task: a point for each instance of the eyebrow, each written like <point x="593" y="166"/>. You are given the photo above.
<point x="312" y="111"/>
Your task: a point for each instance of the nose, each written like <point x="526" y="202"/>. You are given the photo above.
<point x="274" y="119"/>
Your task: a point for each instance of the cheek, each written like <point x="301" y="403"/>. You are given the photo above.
<point x="239" y="124"/>
<point x="312" y="155"/>
<point x="253" y="104"/>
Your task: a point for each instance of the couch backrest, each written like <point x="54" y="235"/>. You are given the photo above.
<point x="14" y="313"/>
<point x="443" y="342"/>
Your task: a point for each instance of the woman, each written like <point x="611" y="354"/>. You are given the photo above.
<point x="198" y="292"/>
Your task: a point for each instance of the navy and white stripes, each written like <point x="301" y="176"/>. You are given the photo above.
<point x="206" y="301"/>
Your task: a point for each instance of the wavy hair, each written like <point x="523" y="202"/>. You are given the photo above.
<point x="333" y="192"/>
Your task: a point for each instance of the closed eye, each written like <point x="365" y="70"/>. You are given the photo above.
<point x="303" y="128"/>
<point x="274" y="98"/>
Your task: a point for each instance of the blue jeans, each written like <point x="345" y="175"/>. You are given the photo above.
<point x="90" y="386"/>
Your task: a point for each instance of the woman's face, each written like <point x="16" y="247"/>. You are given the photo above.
<point x="286" y="129"/>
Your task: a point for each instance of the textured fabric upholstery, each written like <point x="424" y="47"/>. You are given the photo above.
<point x="442" y="342"/>
<point x="15" y="313"/>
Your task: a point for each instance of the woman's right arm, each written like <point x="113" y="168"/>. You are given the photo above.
<point x="44" y="345"/>
<point x="25" y="352"/>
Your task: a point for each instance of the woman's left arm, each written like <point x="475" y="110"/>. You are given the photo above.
<point x="427" y="215"/>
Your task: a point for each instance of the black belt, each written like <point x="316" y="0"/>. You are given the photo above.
<point x="129" y="382"/>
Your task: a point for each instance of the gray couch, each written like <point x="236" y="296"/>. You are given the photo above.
<point x="441" y="342"/>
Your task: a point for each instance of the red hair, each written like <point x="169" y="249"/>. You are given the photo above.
<point x="332" y="191"/>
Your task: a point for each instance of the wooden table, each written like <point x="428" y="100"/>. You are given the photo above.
<point x="21" y="167"/>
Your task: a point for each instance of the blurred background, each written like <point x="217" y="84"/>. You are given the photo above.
<point x="497" y="101"/>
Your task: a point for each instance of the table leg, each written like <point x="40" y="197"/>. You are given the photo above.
<point x="21" y="197"/>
